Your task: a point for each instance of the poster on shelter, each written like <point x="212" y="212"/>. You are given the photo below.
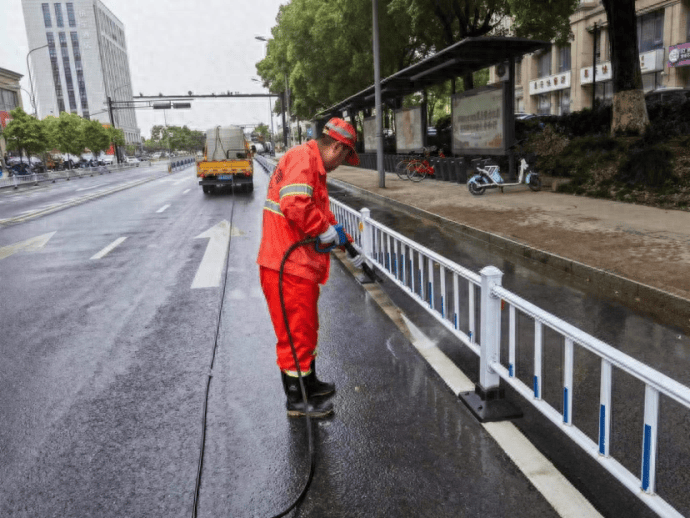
<point x="369" y="125"/>
<point x="478" y="121"/>
<point x="408" y="130"/>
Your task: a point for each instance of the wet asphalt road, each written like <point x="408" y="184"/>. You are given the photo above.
<point x="105" y="362"/>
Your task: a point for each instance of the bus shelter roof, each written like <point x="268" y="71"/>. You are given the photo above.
<point x="463" y="57"/>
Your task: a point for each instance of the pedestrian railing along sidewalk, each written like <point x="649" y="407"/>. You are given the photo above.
<point x="67" y="174"/>
<point x="459" y="298"/>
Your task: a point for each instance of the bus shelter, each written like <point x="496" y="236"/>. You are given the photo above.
<point x="483" y="119"/>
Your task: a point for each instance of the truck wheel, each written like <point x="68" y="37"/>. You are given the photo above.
<point x="208" y="189"/>
<point x="250" y="187"/>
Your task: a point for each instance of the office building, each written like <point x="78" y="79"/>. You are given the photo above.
<point x="563" y="79"/>
<point x="83" y="63"/>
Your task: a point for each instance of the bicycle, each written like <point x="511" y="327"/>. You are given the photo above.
<point x="489" y="176"/>
<point x="417" y="169"/>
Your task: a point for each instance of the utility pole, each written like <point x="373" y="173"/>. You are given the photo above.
<point x="31" y="83"/>
<point x="594" y="68"/>
<point x="377" y="96"/>
<point x="112" y="124"/>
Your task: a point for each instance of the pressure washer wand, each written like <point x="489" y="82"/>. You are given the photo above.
<point x="369" y="272"/>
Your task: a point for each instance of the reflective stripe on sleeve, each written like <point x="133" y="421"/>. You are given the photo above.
<point x="296" y="190"/>
<point x="273" y="207"/>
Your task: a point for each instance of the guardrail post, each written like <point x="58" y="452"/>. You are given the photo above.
<point x="488" y="402"/>
<point x="16" y="183"/>
<point x="367" y="241"/>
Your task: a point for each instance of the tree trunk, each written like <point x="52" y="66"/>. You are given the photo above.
<point x="629" y="108"/>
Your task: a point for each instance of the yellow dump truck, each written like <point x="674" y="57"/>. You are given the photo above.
<point x="228" y="160"/>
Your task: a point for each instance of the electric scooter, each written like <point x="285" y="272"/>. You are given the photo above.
<point x="489" y="177"/>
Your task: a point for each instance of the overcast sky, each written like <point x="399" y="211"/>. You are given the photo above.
<point x="175" y="46"/>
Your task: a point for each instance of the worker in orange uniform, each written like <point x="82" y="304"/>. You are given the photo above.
<point x="297" y="207"/>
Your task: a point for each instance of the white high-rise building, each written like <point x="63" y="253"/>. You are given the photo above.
<point x="85" y="61"/>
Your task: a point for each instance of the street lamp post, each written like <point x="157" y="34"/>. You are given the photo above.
<point x="31" y="84"/>
<point x="270" y="110"/>
<point x="283" y="101"/>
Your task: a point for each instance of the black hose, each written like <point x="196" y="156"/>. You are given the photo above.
<point x="312" y="458"/>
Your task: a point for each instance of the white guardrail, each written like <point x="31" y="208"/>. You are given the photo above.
<point x="449" y="292"/>
<point x="67" y="174"/>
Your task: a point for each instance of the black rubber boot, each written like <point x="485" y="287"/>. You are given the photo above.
<point x="295" y="404"/>
<point x="316" y="386"/>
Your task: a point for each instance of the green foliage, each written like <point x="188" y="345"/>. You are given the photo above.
<point x="547" y="20"/>
<point x="176" y="138"/>
<point x="25" y="132"/>
<point x="69" y="137"/>
<point x="117" y="136"/>
<point x="95" y="137"/>
<point x="580" y="157"/>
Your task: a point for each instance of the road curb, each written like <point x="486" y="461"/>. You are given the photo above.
<point x="664" y="306"/>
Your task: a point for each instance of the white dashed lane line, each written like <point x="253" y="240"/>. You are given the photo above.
<point x="108" y="248"/>
<point x="163" y="208"/>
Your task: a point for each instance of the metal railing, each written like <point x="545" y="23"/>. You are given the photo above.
<point x="67" y="174"/>
<point x="456" y="296"/>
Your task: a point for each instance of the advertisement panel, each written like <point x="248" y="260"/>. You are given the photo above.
<point x="679" y="55"/>
<point x="481" y="122"/>
<point x="369" y="126"/>
<point x="408" y="130"/>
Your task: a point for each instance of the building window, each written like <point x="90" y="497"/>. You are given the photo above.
<point x="564" y="101"/>
<point x="544" y="104"/>
<point x="58" y="15"/>
<point x="564" y="59"/>
<point x="651" y="81"/>
<point x="605" y="91"/>
<point x="46" y="15"/>
<point x="687" y="17"/>
<point x="80" y="71"/>
<point x="650" y="31"/>
<point x="56" y="72"/>
<point x="68" y="73"/>
<point x="70" y="15"/>
<point x="8" y="100"/>
<point x="544" y="64"/>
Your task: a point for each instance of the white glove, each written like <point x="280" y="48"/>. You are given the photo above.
<point x="357" y="260"/>
<point x="330" y="236"/>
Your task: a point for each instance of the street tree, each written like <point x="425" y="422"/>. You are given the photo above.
<point x="629" y="107"/>
<point x="25" y="133"/>
<point x="323" y="51"/>
<point x="450" y="21"/>
<point x="68" y="134"/>
<point x="95" y="137"/>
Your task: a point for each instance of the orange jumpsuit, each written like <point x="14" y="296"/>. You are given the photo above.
<point x="296" y="208"/>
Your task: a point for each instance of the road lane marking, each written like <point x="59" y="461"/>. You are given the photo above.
<point x="108" y="248"/>
<point x="163" y="208"/>
<point x="567" y="501"/>
<point x="210" y="270"/>
<point x="186" y="191"/>
<point x="30" y="245"/>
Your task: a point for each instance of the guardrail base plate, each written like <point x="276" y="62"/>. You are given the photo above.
<point x="491" y="408"/>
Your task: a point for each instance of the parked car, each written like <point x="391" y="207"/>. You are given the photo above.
<point x="132" y="160"/>
<point x="106" y="159"/>
<point x="520" y="116"/>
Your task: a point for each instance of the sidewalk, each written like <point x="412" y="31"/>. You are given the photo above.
<point x="635" y="254"/>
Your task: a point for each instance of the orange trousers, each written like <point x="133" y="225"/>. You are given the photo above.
<point x="301" y="304"/>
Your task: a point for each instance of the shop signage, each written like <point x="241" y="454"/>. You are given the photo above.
<point x="604" y="73"/>
<point x="549" y="84"/>
<point x="679" y="55"/>
<point x="651" y="61"/>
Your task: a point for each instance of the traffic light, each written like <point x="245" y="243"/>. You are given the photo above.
<point x="180" y="106"/>
<point x="161" y="106"/>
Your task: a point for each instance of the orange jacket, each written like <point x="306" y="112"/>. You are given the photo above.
<point x="297" y="207"/>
